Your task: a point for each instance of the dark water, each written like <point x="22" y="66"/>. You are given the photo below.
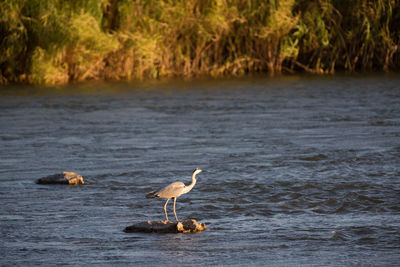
<point x="298" y="171"/>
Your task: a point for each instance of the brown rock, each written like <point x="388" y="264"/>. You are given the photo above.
<point x="62" y="178"/>
<point x="188" y="226"/>
<point x="191" y="226"/>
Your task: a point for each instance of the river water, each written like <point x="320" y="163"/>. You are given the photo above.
<point x="297" y="171"/>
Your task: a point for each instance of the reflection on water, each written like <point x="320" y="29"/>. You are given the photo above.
<point x="298" y="171"/>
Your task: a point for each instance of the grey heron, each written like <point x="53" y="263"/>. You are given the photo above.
<point x="173" y="190"/>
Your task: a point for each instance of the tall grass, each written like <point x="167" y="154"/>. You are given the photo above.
<point x="55" y="41"/>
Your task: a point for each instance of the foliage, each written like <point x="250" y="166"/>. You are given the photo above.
<point x="55" y="41"/>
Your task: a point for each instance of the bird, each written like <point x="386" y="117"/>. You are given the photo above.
<point x="173" y="190"/>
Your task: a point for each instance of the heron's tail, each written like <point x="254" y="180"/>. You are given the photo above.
<point x="152" y="194"/>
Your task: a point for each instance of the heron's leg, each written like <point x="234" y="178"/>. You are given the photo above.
<point x="176" y="217"/>
<point x="165" y="209"/>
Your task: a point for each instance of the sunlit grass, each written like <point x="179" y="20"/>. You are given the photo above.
<point x="55" y="42"/>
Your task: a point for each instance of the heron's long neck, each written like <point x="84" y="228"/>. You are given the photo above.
<point x="189" y="187"/>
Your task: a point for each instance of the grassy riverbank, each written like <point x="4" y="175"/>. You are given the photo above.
<point x="55" y="41"/>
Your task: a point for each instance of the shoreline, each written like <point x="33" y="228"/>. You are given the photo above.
<point x="54" y="42"/>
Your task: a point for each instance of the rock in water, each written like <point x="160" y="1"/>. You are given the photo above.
<point x="188" y="226"/>
<point x="191" y="226"/>
<point x="62" y="178"/>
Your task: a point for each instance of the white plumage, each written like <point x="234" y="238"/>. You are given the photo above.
<point x="173" y="190"/>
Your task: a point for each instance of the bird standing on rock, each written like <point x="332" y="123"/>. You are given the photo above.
<point x="173" y="190"/>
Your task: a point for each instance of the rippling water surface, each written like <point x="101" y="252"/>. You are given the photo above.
<point x="298" y="171"/>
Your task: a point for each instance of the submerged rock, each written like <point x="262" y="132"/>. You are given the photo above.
<point x="188" y="226"/>
<point x="62" y="178"/>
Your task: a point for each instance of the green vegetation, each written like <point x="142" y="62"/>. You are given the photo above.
<point x="56" y="41"/>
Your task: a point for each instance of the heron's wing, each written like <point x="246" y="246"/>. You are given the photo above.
<point x="151" y="194"/>
<point x="173" y="190"/>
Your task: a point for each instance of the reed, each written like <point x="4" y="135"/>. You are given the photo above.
<point x="56" y="42"/>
